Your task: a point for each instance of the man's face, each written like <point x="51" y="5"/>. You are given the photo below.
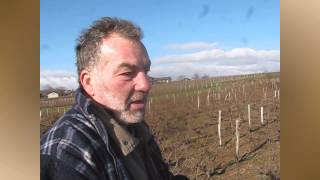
<point x="120" y="80"/>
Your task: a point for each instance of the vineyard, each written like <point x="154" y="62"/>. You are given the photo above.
<point x="215" y="128"/>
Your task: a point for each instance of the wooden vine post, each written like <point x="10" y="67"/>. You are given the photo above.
<point x="198" y="102"/>
<point x="261" y="114"/>
<point x="237" y="138"/>
<point x="219" y="128"/>
<point x="249" y="116"/>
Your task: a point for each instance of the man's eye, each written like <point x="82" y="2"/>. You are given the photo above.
<point x="127" y="74"/>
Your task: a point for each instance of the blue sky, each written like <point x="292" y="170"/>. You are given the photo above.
<point x="183" y="37"/>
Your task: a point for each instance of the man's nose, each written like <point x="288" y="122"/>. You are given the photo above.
<point x="143" y="82"/>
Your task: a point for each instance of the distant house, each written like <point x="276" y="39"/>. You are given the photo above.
<point x="160" y="80"/>
<point x="53" y="95"/>
<point x="186" y="79"/>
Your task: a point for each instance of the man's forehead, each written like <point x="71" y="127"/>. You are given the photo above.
<point x="121" y="45"/>
<point x="119" y="51"/>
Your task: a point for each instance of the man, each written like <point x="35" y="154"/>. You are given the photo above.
<point x="104" y="135"/>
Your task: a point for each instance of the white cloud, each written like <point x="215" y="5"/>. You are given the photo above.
<point x="189" y="69"/>
<point x="212" y="62"/>
<point x="192" y="46"/>
<point x="217" y="62"/>
<point x="58" y="78"/>
<point x="236" y="56"/>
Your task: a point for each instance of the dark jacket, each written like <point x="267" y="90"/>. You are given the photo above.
<point x="78" y="146"/>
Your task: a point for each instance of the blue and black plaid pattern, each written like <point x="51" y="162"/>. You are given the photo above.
<point x="80" y="141"/>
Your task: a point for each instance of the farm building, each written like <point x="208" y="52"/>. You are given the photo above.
<point x="52" y="95"/>
<point x="160" y="80"/>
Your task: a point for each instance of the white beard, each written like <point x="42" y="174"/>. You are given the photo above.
<point x="121" y="109"/>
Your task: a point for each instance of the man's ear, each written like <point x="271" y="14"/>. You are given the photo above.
<point x="87" y="81"/>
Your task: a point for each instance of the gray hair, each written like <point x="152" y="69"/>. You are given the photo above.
<point x="90" y="40"/>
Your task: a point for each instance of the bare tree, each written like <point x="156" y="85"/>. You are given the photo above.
<point x="181" y="77"/>
<point x="205" y="76"/>
<point x="195" y="76"/>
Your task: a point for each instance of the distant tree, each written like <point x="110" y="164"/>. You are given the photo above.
<point x="195" y="76"/>
<point x="47" y="89"/>
<point x="60" y="90"/>
<point x="181" y="77"/>
<point x="205" y="76"/>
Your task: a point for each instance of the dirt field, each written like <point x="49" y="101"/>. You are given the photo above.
<point x="188" y="136"/>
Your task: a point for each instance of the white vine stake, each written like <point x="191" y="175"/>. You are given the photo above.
<point x="219" y="128"/>
<point x="249" y="116"/>
<point x="208" y="97"/>
<point x="198" y="102"/>
<point x="237" y="136"/>
<point x="261" y="114"/>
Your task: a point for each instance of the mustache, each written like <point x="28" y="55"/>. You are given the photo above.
<point x="139" y="96"/>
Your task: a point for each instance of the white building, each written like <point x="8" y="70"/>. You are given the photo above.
<point x="53" y="95"/>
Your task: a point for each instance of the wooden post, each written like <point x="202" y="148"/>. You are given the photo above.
<point x="261" y="114"/>
<point x="219" y="128"/>
<point x="249" y="116"/>
<point x="198" y="102"/>
<point x="208" y="97"/>
<point x="237" y="138"/>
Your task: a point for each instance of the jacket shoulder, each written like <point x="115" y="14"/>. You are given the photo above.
<point x="74" y="141"/>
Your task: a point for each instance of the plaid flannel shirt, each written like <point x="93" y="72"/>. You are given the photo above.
<point x="78" y="147"/>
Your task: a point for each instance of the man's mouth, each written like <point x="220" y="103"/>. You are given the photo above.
<point x="137" y="104"/>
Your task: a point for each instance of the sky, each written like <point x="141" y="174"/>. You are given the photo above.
<point x="183" y="37"/>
